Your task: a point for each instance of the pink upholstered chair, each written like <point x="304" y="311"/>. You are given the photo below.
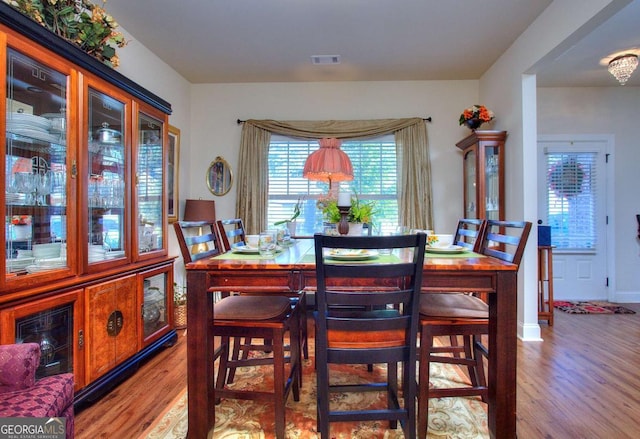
<point x="21" y="395"/>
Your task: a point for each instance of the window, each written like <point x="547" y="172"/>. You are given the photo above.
<point x="375" y="178"/>
<point x="572" y="199"/>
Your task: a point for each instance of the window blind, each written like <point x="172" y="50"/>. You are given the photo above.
<point x="572" y="199"/>
<point x="375" y="178"/>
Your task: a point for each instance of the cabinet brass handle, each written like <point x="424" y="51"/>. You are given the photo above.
<point x="81" y="339"/>
<point x="115" y="322"/>
<point x="74" y="168"/>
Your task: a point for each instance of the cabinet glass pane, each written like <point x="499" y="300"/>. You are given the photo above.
<point x="35" y="167"/>
<point x="106" y="178"/>
<point x="492" y="182"/>
<point x="53" y="331"/>
<point x="149" y="180"/>
<point x="154" y="310"/>
<point x="470" y="190"/>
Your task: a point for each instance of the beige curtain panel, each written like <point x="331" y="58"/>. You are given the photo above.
<point x="414" y="179"/>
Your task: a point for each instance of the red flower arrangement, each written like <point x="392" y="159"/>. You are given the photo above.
<point x="476" y="111"/>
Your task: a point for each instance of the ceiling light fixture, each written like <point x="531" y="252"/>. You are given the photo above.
<point x="621" y="67"/>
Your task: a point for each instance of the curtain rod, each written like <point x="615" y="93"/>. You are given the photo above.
<point x="426" y="119"/>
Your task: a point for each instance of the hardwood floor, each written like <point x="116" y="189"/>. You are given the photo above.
<point x="581" y="381"/>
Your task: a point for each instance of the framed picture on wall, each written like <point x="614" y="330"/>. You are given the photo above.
<point x="172" y="175"/>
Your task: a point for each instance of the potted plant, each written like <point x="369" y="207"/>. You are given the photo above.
<point x="360" y="212"/>
<point x="291" y="222"/>
<point x="180" y="305"/>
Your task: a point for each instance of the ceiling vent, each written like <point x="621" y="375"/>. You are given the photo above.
<point x="325" y="59"/>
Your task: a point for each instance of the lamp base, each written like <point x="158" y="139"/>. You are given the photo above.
<point x="343" y="225"/>
<point x="199" y="248"/>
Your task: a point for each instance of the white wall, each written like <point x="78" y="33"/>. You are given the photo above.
<point x="508" y="88"/>
<point x="606" y="110"/>
<point x="216" y="107"/>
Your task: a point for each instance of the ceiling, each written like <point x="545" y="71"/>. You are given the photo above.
<point x="377" y="40"/>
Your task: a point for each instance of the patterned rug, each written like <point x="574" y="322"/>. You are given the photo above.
<point x="592" y="307"/>
<point x="460" y="418"/>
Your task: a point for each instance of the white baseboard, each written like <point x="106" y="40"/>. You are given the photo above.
<point x="625" y="297"/>
<point x="529" y="332"/>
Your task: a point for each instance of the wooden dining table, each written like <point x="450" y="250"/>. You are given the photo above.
<point x="293" y="269"/>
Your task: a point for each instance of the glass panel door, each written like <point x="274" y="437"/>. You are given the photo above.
<point x="107" y="182"/>
<point x="470" y="190"/>
<point x="150" y="177"/>
<point x="36" y="207"/>
<point x="492" y="182"/>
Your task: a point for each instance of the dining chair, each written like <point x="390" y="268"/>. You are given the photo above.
<point x="269" y="317"/>
<point x="232" y="233"/>
<point x="469" y="234"/>
<point x="368" y="325"/>
<point x="466" y="315"/>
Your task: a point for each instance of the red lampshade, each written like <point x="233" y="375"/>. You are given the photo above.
<point x="200" y="210"/>
<point x="329" y="163"/>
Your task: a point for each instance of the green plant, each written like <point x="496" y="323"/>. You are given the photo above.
<point x="296" y="214"/>
<point x="359" y="212"/>
<point x="79" y="21"/>
<point x="179" y="294"/>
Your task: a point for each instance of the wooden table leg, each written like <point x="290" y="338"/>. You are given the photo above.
<point x="502" y="356"/>
<point x="201" y="398"/>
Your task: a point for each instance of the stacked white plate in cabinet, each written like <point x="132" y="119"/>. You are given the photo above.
<point x="31" y="126"/>
<point x="96" y="253"/>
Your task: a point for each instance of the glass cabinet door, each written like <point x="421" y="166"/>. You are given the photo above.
<point x="36" y="165"/>
<point x="156" y="292"/>
<point x="470" y="189"/>
<point x="106" y="190"/>
<point x="56" y="325"/>
<point x="150" y="184"/>
<point x="492" y="182"/>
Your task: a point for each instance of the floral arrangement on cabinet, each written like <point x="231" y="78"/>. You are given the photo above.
<point x="79" y="21"/>
<point x="475" y="116"/>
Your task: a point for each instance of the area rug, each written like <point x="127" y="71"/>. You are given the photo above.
<point x="591" y="307"/>
<point x="460" y="418"/>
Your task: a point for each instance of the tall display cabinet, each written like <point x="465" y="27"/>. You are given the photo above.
<point x="87" y="273"/>
<point x="483" y="170"/>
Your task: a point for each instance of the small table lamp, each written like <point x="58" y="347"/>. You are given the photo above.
<point x="328" y="163"/>
<point x="200" y="210"/>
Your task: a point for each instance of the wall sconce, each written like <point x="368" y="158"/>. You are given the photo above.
<point x="621" y="67"/>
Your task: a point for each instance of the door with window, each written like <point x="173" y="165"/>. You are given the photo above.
<point x="572" y="201"/>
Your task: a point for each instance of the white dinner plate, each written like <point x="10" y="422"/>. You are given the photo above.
<point x="250" y="250"/>
<point x="351" y="255"/>
<point x="18" y="264"/>
<point x="450" y="249"/>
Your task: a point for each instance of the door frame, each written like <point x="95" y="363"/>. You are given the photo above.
<point x="609" y="140"/>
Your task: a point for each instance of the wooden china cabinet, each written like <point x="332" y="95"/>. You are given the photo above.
<point x="483" y="170"/>
<point x="87" y="273"/>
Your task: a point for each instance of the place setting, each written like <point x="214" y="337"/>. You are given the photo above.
<point x="443" y="244"/>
